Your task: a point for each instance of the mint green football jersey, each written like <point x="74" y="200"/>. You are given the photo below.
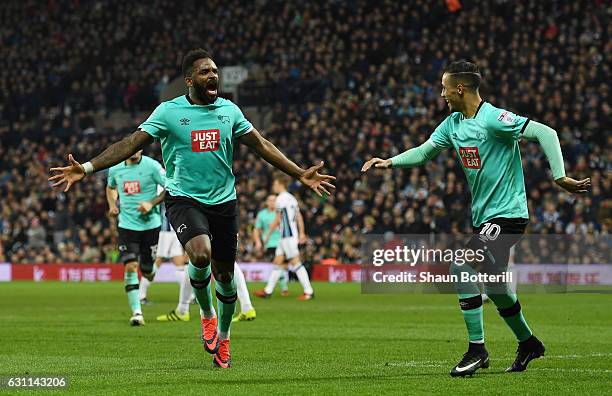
<point x="136" y="183"/>
<point x="198" y="146"/>
<point x="487" y="146"/>
<point x="263" y="221"/>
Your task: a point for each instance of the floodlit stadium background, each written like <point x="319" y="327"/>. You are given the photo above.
<point x="324" y="80"/>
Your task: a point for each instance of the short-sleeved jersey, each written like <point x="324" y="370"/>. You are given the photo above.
<point x="136" y="183"/>
<point x="287" y="207"/>
<point x="197" y="145"/>
<point x="487" y="146"/>
<point x="263" y="221"/>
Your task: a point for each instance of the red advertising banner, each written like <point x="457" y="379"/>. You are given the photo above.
<point x="533" y="274"/>
<point x="336" y="273"/>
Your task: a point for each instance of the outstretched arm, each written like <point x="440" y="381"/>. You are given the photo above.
<point x="547" y="137"/>
<point x="414" y="157"/>
<point x="115" y="153"/>
<point x="309" y="177"/>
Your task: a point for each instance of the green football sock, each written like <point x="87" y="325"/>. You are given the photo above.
<point x="509" y="309"/>
<point x="472" y="317"/>
<point x="131" y="288"/>
<point x="226" y="303"/>
<point x="200" y="280"/>
<point x="470" y="302"/>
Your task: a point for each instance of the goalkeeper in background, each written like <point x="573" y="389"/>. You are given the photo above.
<point x="486" y="141"/>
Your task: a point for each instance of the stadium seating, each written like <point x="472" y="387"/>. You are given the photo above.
<point x="371" y="71"/>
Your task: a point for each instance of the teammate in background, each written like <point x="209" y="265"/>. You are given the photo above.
<point x="264" y="219"/>
<point x="169" y="247"/>
<point x="197" y="133"/>
<point x="134" y="183"/>
<point x="247" y="312"/>
<point x="291" y="223"/>
<point x="486" y="141"/>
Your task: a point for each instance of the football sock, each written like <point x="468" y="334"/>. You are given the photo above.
<point x="226" y="304"/>
<point x="509" y="309"/>
<point x="185" y="291"/>
<point x="179" y="272"/>
<point x="302" y="276"/>
<point x="284" y="280"/>
<point x="470" y="302"/>
<point x="241" y="290"/>
<point x="200" y="280"/>
<point x="144" y="287"/>
<point x="274" y="276"/>
<point x="131" y="288"/>
<point x="471" y="308"/>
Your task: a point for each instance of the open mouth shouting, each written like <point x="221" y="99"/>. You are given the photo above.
<point x="211" y="87"/>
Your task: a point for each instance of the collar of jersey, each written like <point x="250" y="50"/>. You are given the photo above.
<point x="475" y="114"/>
<point x="191" y="102"/>
<point x="136" y="164"/>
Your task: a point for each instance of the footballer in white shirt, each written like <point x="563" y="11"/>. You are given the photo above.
<point x="291" y="223"/>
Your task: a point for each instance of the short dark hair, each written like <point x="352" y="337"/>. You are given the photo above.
<point x="192" y="56"/>
<point x="464" y="72"/>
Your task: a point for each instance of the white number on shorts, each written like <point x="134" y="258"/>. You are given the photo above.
<point x="491" y="230"/>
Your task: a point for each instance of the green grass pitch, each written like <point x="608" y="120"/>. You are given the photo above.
<point x="342" y="342"/>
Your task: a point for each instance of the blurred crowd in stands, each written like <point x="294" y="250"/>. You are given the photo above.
<point x="64" y="63"/>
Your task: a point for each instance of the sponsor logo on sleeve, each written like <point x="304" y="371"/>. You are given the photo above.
<point x="205" y="140"/>
<point x="470" y="157"/>
<point x="131" y="187"/>
<point x="507" y="118"/>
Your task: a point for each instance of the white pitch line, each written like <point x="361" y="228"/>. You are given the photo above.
<point x="574" y="370"/>
<point x="440" y="363"/>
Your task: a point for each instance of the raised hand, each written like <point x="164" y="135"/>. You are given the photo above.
<point x="317" y="182"/>
<point x="378" y="163"/>
<point x="574" y="186"/>
<point x="68" y="174"/>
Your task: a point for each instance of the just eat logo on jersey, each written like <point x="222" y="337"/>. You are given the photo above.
<point x="205" y="140"/>
<point x="470" y="157"/>
<point x="131" y="187"/>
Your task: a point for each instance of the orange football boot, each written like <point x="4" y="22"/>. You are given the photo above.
<point x="210" y="336"/>
<point x="222" y="358"/>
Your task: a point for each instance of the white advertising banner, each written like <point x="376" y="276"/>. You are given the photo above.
<point x="253" y="272"/>
<point x="5" y="272"/>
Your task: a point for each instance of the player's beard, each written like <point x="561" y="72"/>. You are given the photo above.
<point x="202" y="93"/>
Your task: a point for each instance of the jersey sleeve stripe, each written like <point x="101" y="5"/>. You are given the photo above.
<point x="524" y="126"/>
